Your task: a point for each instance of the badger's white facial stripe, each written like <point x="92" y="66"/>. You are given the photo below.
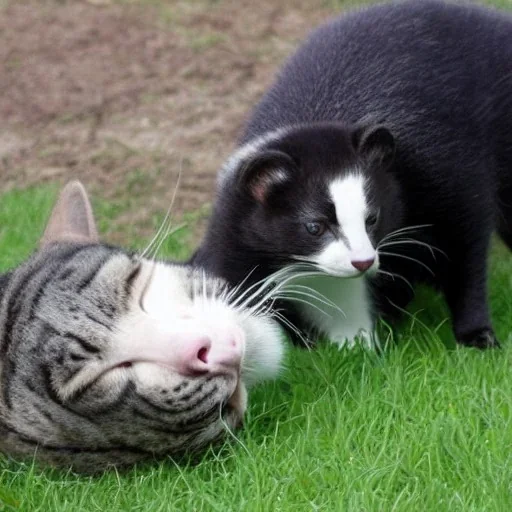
<point x="349" y="198"/>
<point x="353" y="244"/>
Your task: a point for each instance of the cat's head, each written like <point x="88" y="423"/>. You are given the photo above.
<point x="107" y="358"/>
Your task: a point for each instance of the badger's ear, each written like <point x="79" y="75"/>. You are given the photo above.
<point x="375" y="144"/>
<point x="261" y="173"/>
<point x="71" y="219"/>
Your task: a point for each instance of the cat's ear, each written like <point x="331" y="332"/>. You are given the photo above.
<point x="262" y="173"/>
<point x="71" y="219"/>
<point x="375" y="144"/>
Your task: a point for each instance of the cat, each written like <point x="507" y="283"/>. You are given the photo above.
<point x="108" y="358"/>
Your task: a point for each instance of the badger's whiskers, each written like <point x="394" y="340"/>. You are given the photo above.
<point x="394" y="275"/>
<point x="405" y="231"/>
<point x="409" y="258"/>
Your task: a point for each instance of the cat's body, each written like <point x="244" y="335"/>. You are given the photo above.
<point x="107" y="358"/>
<point x="397" y="117"/>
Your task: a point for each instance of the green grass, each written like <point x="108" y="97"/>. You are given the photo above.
<point x="424" y="426"/>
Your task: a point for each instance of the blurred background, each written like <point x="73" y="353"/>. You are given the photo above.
<point x="122" y="94"/>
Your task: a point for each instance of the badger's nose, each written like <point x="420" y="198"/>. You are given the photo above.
<point x="364" y="265"/>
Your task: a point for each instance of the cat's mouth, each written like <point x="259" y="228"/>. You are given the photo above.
<point x="233" y="408"/>
<point x="218" y="372"/>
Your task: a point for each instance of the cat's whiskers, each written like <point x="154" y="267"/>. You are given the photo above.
<point x="274" y="286"/>
<point x="317" y="295"/>
<point x="288" y="323"/>
<point x="205" y="292"/>
<point x="260" y="286"/>
<point x="239" y="286"/>
<point x="303" y="290"/>
<point x="265" y="293"/>
<point x="146" y="284"/>
<point x="194" y="289"/>
<point x="148" y="252"/>
<point x="169" y="231"/>
<point x="165" y="227"/>
<point x="291" y="298"/>
<point x="270" y="281"/>
<point x="277" y="287"/>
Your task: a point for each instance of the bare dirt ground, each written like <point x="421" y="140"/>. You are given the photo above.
<point x="122" y="94"/>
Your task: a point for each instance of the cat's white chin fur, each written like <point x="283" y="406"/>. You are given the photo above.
<point x="264" y="349"/>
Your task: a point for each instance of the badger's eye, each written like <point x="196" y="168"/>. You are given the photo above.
<point x="315" y="228"/>
<point x="372" y="219"/>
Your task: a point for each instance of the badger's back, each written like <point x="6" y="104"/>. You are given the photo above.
<point x="434" y="72"/>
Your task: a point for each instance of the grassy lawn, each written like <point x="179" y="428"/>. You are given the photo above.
<point x="423" y="426"/>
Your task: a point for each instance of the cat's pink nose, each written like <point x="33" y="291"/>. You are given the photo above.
<point x="201" y="355"/>
<point x="363" y="266"/>
<point x="192" y="355"/>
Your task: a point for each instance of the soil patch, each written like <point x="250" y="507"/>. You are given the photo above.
<point x="125" y="94"/>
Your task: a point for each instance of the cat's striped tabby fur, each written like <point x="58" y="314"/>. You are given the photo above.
<point x="107" y="358"/>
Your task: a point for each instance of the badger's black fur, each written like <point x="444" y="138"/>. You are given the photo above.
<point x="435" y="75"/>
